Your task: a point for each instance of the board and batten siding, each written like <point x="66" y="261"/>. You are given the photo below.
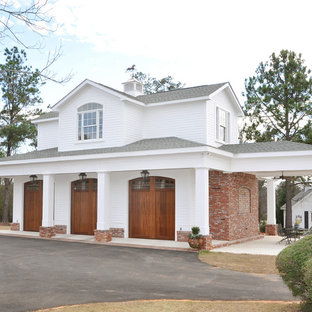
<point x="113" y="120"/>
<point x="47" y="134"/>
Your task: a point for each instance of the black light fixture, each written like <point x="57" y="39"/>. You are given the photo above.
<point x="82" y="176"/>
<point x="144" y="174"/>
<point x="33" y="178"/>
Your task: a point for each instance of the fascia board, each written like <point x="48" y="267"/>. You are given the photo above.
<point x="125" y="99"/>
<point x="201" y="149"/>
<point x="203" y="98"/>
<point x="272" y="154"/>
<point x="301" y="200"/>
<point x="44" y="120"/>
<point x="227" y="85"/>
<point x="94" y="84"/>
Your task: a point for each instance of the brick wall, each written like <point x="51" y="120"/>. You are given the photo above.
<point x="182" y="236"/>
<point x="229" y="215"/>
<point x="117" y="232"/>
<point x="60" y="229"/>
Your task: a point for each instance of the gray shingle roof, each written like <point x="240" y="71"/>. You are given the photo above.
<point x="298" y="197"/>
<point x="180" y="94"/>
<point x="282" y="146"/>
<point x="174" y="95"/>
<point x="142" y="145"/>
<point x="47" y="116"/>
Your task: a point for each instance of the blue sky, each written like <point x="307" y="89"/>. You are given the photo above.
<point x="197" y="42"/>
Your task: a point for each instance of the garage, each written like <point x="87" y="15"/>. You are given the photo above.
<point x="33" y="205"/>
<point x="152" y="208"/>
<point x="83" y="206"/>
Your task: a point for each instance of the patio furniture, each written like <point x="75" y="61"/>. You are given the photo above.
<point x="291" y="235"/>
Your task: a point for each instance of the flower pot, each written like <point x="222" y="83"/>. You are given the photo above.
<point x="196" y="243"/>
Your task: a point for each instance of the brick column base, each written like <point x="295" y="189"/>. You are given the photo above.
<point x="102" y="235"/>
<point x="117" y="232"/>
<point x="46" y="231"/>
<point x="271" y="229"/>
<point x="183" y="236"/>
<point x="14" y="226"/>
<point x="207" y="242"/>
<point x="60" y="229"/>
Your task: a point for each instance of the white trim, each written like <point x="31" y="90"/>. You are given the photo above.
<point x="272" y="154"/>
<point x="97" y="116"/>
<point x="299" y="201"/>
<point x="228" y="85"/>
<point x="203" y="98"/>
<point x="44" y="120"/>
<point x="227" y="125"/>
<point x="113" y="155"/>
<point x="96" y="85"/>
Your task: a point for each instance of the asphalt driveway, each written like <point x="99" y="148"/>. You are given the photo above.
<point x="38" y="273"/>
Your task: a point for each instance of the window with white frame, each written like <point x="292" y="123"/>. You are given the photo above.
<point x="90" y="122"/>
<point x="223" y="118"/>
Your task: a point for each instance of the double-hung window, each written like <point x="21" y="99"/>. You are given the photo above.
<point x="223" y="119"/>
<point x="90" y="122"/>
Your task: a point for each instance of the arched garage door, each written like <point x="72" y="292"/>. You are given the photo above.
<point x="84" y="206"/>
<point x="32" y="206"/>
<point x="152" y="208"/>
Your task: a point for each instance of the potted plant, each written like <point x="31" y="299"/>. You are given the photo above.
<point x="195" y="239"/>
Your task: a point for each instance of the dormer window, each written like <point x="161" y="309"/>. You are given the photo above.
<point x="90" y="122"/>
<point x="223" y="120"/>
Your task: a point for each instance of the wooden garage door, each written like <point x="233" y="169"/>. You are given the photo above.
<point x="152" y="208"/>
<point x="32" y="206"/>
<point x="84" y="206"/>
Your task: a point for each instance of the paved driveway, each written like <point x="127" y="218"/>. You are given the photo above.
<point x="43" y="273"/>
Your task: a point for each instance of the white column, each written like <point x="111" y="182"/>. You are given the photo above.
<point x="271" y="202"/>
<point x="18" y="201"/>
<point x="202" y="200"/>
<point x="48" y="200"/>
<point x="103" y="201"/>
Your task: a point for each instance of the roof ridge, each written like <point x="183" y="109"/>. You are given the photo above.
<point x="180" y="89"/>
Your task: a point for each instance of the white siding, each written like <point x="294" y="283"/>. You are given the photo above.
<point x="133" y="122"/>
<point x="47" y="134"/>
<point x="223" y="101"/>
<point x="119" y="181"/>
<point x="125" y="122"/>
<point x="299" y="208"/>
<point x="18" y="200"/>
<point x="184" y="120"/>
<point x="113" y="120"/>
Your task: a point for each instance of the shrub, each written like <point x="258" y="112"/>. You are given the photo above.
<point x="195" y="232"/>
<point x="262" y="226"/>
<point x="295" y="266"/>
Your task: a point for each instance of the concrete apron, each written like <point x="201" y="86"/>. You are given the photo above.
<point x="267" y="246"/>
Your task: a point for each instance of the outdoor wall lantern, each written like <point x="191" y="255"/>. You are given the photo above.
<point x="33" y="178"/>
<point x="82" y="176"/>
<point x="144" y="175"/>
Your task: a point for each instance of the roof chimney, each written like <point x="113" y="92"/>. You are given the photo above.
<point x="133" y="87"/>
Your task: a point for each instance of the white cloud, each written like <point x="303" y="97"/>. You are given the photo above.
<point x="199" y="41"/>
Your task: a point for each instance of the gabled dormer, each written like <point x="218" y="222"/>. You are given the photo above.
<point x="96" y="116"/>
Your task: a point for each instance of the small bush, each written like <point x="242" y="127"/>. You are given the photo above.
<point x="195" y="232"/>
<point x="295" y="266"/>
<point x="262" y="226"/>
